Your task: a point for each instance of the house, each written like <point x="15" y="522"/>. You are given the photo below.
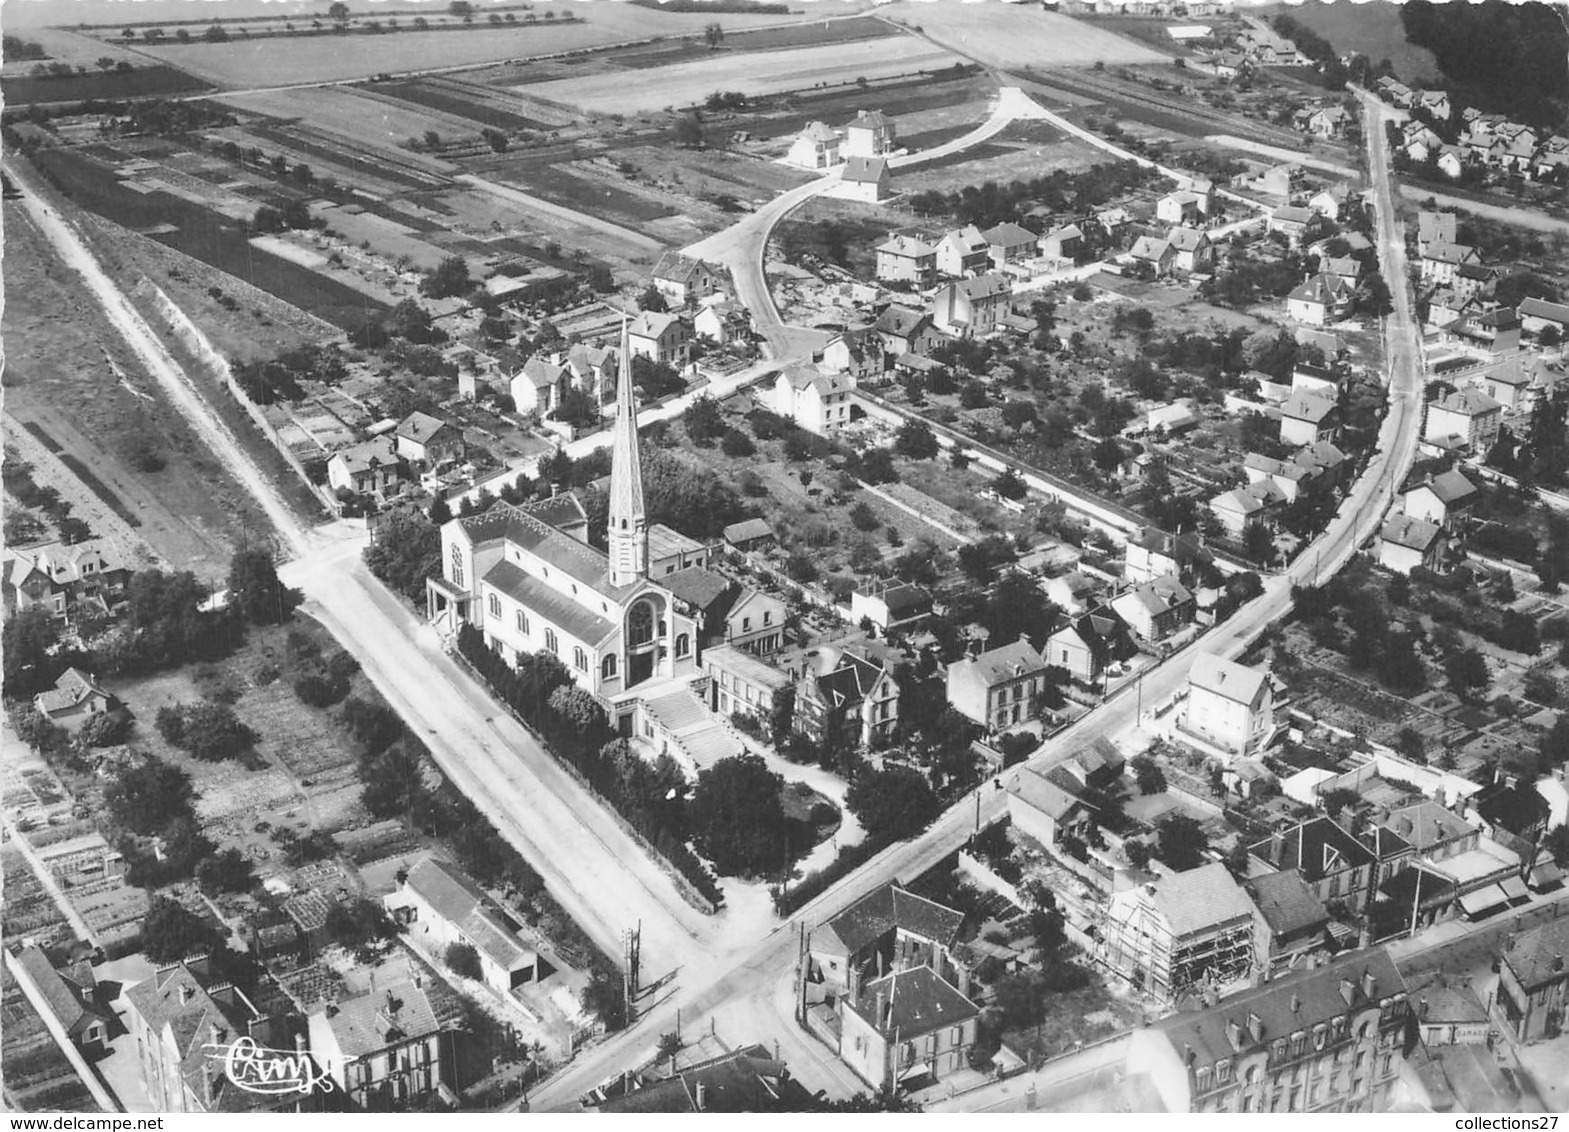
<point x="888" y="928"/>
<point x="1302" y="473"/>
<point x="962" y="252"/>
<point x="1444" y="500"/>
<point x="1229" y="705"/>
<point x="905" y="331"/>
<point x="372" y="467"/>
<point x="660" y="337"/>
<point x="856" y="352"/>
<point x="1469" y="416"/>
<point x="755" y="622"/>
<point x="1155" y="610"/>
<point x="1298" y="224"/>
<point x="1320" y="300"/>
<point x="1537" y="315"/>
<point x="1191" y="249"/>
<point x="749" y="535"/>
<point x="846" y="697"/>
<point x="1009" y="243"/>
<point x="57" y="575"/>
<point x="383" y="1048"/>
<point x="185" y="1007"/>
<point x="427" y="442"/>
<point x="1039" y="808"/>
<point x="1241" y="506"/>
<point x="1328" y="121"/>
<point x="1406" y="542"/>
<point x="1097" y="766"/>
<point x="1073" y="592"/>
<point x="971" y="308"/>
<point x="683" y="281"/>
<point x="1533" y="982"/>
<point x="865" y="179"/>
<point x="1113" y="221"/>
<point x="1335" y="865"/>
<point x="592" y="369"/>
<point x="1000" y="687"/>
<point x="75" y="698"/>
<point x="1452" y="161"/>
<point x="1280" y="180"/>
<point x="538" y="386"/>
<point x="749" y="1080"/>
<point x="1346" y="268"/>
<point x="1183" y="931"/>
<point x="70" y="996"/>
<point x="1158" y="253"/>
<point x="1321" y="1040"/>
<point x="1155" y="553"/>
<point x="818" y="402"/>
<point x="1180" y="207"/>
<point x="1440" y="263"/>
<point x="1448" y="1013"/>
<point x="741" y="684"/>
<point x="1391" y="89"/>
<point x="1446" y="307"/>
<point x="1062" y="244"/>
<point x="1434" y="228"/>
<point x="905" y="259"/>
<point x="1435" y="103"/>
<point x="1086" y="645"/>
<point x="723" y="323"/>
<point x="1487" y="328"/>
<point x="891" y="608"/>
<point x="908" y="1029"/>
<point x="868" y="134"/>
<point x="1291" y="920"/>
<point x="1516" y="381"/>
<point x="815" y="147"/>
<point x="438" y="906"/>
<point x="1308" y="419"/>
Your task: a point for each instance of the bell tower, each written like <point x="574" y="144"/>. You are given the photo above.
<point x="628" y="524"/>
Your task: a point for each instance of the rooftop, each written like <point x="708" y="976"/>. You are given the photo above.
<point x="915" y="1001"/>
<point x="1537" y="957"/>
<point x="889" y="908"/>
<point x="1199" y="899"/>
<point x="1226" y="678"/>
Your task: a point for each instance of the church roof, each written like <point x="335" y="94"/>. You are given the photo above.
<point x="626" y="469"/>
<point x="550" y="605"/>
<point x="573" y="557"/>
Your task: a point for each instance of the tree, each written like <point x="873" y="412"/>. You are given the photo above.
<point x="255" y="591"/>
<point x="689" y="131"/>
<point x="1138" y="854"/>
<point x="1258" y="543"/>
<point x="737" y="444"/>
<point x="104" y="63"/>
<point x="916" y="440"/>
<point x="1182" y="842"/>
<point x="1338" y="799"/>
<point x="1467" y="672"/>
<point x="448" y="278"/>
<point x="412" y="321"/>
<point x="407" y="550"/>
<point x="29" y="637"/>
<point x="1009" y="485"/>
<point x="862" y="515"/>
<point x="463" y="960"/>
<point x="338" y="12"/>
<point x="227" y="871"/>
<point x="652" y="300"/>
<point x="703" y="421"/>
<point x="577" y="708"/>
<point x="146" y="796"/>
<point x="212" y="732"/>
<point x="738" y="818"/>
<point x="893" y="803"/>
<point x="171" y="932"/>
<point x="1147" y="773"/>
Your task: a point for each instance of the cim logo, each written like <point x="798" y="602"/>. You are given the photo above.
<point x="270" y="1072"/>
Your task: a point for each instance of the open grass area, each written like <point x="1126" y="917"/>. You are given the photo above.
<point x="144" y="81"/>
<point x="209" y="237"/>
<point x="1373" y="29"/>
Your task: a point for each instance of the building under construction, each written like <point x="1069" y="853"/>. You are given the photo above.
<point x="1183" y="931"/>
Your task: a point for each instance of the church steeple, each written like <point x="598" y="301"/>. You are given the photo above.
<point x="628" y="533"/>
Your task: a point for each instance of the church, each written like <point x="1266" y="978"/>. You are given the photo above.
<point x="527" y="577"/>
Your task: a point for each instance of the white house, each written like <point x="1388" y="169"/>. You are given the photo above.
<point x="892" y="607"/>
<point x="1229" y="706"/>
<point x="1406" y="542"/>
<point x="816" y="147"/>
<point x="1467" y="416"/>
<point x="906" y="259"/>
<point x="1444" y="500"/>
<point x="818" y="402"/>
<point x="971" y="308"/>
<point x="1320" y="300"/>
<point x="538" y="386"/>
<point x="438" y="906"/>
<point x="869" y="134"/>
<point x="1307" y="418"/>
<point x="682" y="281"/>
<point x="865" y="179"/>
<point x="661" y="337"/>
<point x="1191" y="249"/>
<point x="962" y="252"/>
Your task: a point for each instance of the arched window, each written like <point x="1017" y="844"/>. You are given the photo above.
<point x="457" y="565"/>
<point x="580" y="660"/>
<point x="523" y="622"/>
<point x="640" y="624"/>
<point x="495" y="606"/>
<point x="607" y="668"/>
<point x="683" y="645"/>
<point x="550" y="640"/>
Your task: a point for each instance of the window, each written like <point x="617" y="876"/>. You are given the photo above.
<point x="522" y="622"/>
<point x="1223" y="1071"/>
<point x="683" y="644"/>
<point x="550" y="640"/>
<point x="768" y="617"/>
<point x="746" y="624"/>
<point x="958" y="1035"/>
<point x="607" y="667"/>
<point x="495" y="606"/>
<point x="580" y="659"/>
<point x="456" y="569"/>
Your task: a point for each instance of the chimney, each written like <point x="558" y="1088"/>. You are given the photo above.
<point x="1421" y="1010"/>
<point x="186" y="993"/>
<point x="1348" y="991"/>
<point x="1255" y="1026"/>
<point x="299" y="1043"/>
<point x="1233" y="1033"/>
<point x="1296" y="1003"/>
<point x="1369" y="984"/>
<point x="1277" y="847"/>
<point x="216" y="1034"/>
<point x="883" y="1011"/>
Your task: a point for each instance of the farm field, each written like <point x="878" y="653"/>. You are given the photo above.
<point x="209" y="237"/>
<point x="1021" y="151"/>
<point x="758" y="73"/>
<point x="1016" y="35"/>
<point x="361" y="119"/>
<point x="322" y="58"/>
<point x="1373" y="29"/>
<point x="83" y="395"/>
<point x="64" y="45"/>
<point x="144" y="81"/>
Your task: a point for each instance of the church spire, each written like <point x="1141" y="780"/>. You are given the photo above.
<point x="628" y="533"/>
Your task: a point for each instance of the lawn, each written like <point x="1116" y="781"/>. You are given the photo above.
<point x="1373" y="29"/>
<point x="144" y="81"/>
<point x="323" y="58"/>
<point x="752" y="73"/>
<point x="209" y="237"/>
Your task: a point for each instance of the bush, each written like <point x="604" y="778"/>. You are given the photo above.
<point x="227" y="871"/>
<point x="736" y="443"/>
<point x="266" y="674"/>
<point x="463" y="960"/>
<point x="210" y="732"/>
<point x="320" y="691"/>
<point x="107" y="730"/>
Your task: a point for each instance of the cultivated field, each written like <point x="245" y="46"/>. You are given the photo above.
<point x="770" y="72"/>
<point x="1373" y="29"/>
<point x="359" y="118"/>
<point x="1017" y="35"/>
<point x="275" y="62"/>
